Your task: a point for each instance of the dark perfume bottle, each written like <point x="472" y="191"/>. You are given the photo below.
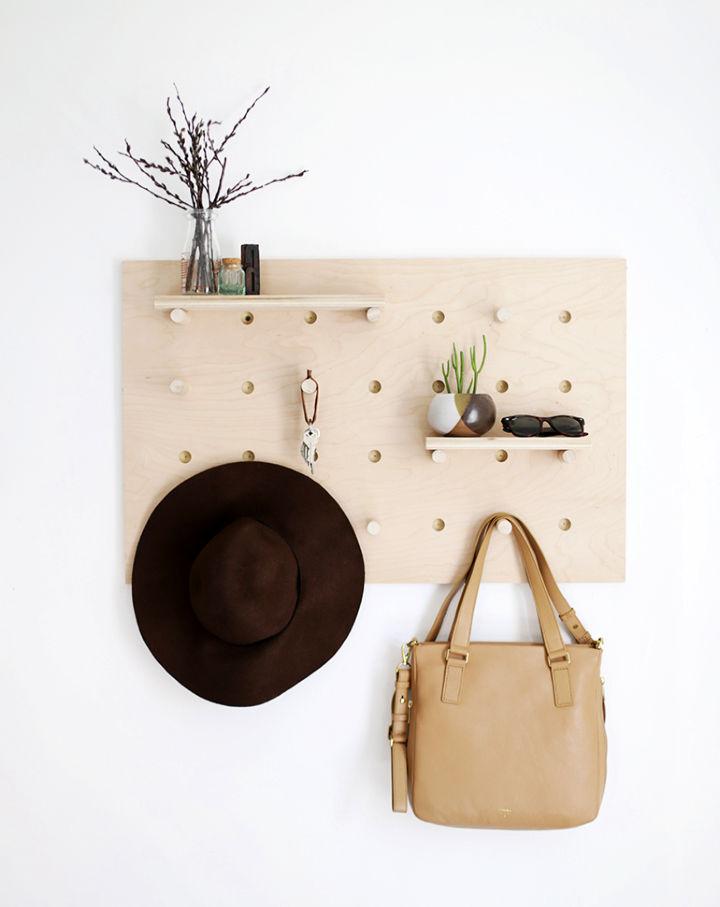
<point x="250" y="257"/>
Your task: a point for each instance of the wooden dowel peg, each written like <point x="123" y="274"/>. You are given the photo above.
<point x="373" y="527"/>
<point x="373" y="313"/>
<point x="179" y="316"/>
<point x="177" y="386"/>
<point x="502" y="314"/>
<point x="438" y="456"/>
<point x="504" y="527"/>
<point x="567" y="456"/>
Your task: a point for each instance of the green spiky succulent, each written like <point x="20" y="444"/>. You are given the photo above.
<point x="456" y="365"/>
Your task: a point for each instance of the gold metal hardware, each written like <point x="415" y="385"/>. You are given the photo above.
<point x="405" y="652"/>
<point x="600" y="643"/>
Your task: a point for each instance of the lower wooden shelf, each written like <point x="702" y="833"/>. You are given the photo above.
<point x="507" y="442"/>
<point x="502" y="444"/>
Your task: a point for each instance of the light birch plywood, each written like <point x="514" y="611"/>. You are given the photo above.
<point x="563" y="326"/>
<point x="336" y="302"/>
<point x="506" y="442"/>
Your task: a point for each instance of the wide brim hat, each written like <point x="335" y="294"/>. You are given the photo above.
<point x="247" y="578"/>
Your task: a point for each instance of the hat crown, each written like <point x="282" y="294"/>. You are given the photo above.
<point x="244" y="583"/>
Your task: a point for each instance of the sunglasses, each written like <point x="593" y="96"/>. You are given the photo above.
<point x="532" y="426"/>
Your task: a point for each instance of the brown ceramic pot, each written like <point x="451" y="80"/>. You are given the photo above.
<point x="462" y="415"/>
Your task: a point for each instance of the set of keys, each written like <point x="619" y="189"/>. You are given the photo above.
<point x="311" y="435"/>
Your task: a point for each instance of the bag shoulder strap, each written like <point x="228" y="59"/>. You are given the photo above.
<point x="566" y="614"/>
<point x="398" y="734"/>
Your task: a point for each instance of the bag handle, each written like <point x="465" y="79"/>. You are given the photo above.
<point x="565" y="612"/>
<point x="433" y="632"/>
<point x="540" y="578"/>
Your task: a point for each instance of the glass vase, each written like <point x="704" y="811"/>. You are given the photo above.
<point x="200" y="260"/>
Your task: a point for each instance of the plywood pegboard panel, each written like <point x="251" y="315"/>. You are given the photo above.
<point x="215" y="353"/>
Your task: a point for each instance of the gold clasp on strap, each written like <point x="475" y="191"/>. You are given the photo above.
<point x="405" y="650"/>
<point x="599" y="643"/>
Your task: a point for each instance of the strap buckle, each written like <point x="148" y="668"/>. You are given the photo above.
<point x="461" y="656"/>
<point x="557" y="658"/>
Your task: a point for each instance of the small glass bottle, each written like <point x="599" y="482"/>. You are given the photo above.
<point x="232" y="277"/>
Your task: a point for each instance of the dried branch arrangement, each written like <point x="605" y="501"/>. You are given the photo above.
<point x="457" y="363"/>
<point x="192" y="175"/>
<point x="195" y="157"/>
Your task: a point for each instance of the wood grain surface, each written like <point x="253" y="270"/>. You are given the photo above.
<point x="566" y="324"/>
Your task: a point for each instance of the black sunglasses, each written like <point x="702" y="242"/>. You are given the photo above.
<point x="532" y="426"/>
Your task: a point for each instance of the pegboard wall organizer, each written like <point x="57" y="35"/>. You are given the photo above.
<point x="226" y="389"/>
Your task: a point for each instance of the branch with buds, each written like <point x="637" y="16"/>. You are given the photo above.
<point x="192" y="176"/>
<point x="192" y="173"/>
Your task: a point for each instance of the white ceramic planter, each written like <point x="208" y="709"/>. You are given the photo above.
<point x="462" y="415"/>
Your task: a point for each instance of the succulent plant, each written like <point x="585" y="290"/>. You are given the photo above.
<point x="456" y="364"/>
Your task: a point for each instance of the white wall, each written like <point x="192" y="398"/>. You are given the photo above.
<point x="487" y="127"/>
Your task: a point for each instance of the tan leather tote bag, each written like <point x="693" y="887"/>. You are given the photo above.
<point x="501" y="735"/>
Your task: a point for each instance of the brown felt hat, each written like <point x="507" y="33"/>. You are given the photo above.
<point x="247" y="578"/>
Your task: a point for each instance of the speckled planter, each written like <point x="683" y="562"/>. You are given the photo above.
<point x="462" y="415"/>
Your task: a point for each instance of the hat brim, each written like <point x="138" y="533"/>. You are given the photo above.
<point x="331" y="581"/>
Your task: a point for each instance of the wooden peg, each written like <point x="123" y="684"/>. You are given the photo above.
<point x="373" y="313"/>
<point x="373" y="527"/>
<point x="177" y="386"/>
<point x="504" y="527"/>
<point x="567" y="456"/>
<point x="179" y="316"/>
<point x="502" y="314"/>
<point x="438" y="456"/>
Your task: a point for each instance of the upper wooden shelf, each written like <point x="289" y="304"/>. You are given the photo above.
<point x="327" y="302"/>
